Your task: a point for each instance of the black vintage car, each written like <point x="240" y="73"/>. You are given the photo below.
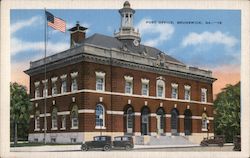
<point x="123" y="142"/>
<point x="99" y="142"/>
<point x="213" y="140"/>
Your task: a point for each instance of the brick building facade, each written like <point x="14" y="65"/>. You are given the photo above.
<point x="116" y="86"/>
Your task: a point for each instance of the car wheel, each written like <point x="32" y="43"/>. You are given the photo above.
<point x="84" y="148"/>
<point x="128" y="147"/>
<point x="106" y="148"/>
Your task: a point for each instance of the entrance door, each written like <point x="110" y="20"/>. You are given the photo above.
<point x="174" y="122"/>
<point x="145" y="121"/>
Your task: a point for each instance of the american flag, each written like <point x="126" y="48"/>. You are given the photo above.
<point x="55" y="22"/>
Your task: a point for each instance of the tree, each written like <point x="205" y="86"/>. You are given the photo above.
<point x="20" y="107"/>
<point x="227" y="112"/>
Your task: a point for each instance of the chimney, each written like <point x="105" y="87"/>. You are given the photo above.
<point x="77" y="34"/>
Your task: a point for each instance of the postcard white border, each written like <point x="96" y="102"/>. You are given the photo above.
<point x="5" y="78"/>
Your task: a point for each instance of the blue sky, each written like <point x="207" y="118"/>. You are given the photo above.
<point x="212" y="43"/>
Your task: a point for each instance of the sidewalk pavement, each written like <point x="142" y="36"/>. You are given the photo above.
<point x="58" y="148"/>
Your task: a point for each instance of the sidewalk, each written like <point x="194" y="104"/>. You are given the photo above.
<point x="58" y="148"/>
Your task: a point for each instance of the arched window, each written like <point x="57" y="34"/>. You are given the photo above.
<point x="37" y="120"/>
<point x="160" y="120"/>
<point x="54" y="118"/>
<point x="204" y="122"/>
<point x="160" y="88"/>
<point x="99" y="116"/>
<point x="74" y="117"/>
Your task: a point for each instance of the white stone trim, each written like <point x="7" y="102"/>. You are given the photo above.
<point x="100" y="127"/>
<point x="63" y="77"/>
<point x="53" y="129"/>
<point x="188" y="87"/>
<point x="86" y="111"/>
<point x="153" y="114"/>
<point x="115" y="112"/>
<point x="54" y="79"/>
<point x="63" y="113"/>
<point x="45" y="81"/>
<point x="174" y="85"/>
<point x="122" y="94"/>
<point x="181" y="116"/>
<point x="196" y="117"/>
<point x="74" y="128"/>
<point x="36" y="83"/>
<point x="168" y="115"/>
<point x="73" y="74"/>
<point x="128" y="78"/>
<point x="47" y="114"/>
<point x="62" y="128"/>
<point x="145" y="81"/>
<point x="137" y="114"/>
<point x="31" y="116"/>
<point x="37" y="129"/>
<point x="100" y="74"/>
<point x="203" y="129"/>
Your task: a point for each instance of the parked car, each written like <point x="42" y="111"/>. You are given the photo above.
<point x="99" y="142"/>
<point x="237" y="143"/>
<point x="219" y="140"/>
<point x="123" y="142"/>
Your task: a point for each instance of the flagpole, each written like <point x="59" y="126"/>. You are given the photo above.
<point x="46" y="84"/>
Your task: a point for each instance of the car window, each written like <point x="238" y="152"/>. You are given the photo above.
<point x="103" y="138"/>
<point x="96" y="138"/>
<point x="118" y="138"/>
<point x="125" y="138"/>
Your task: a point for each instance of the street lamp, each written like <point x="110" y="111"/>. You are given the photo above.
<point x="207" y="127"/>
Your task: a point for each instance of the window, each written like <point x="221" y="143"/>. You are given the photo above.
<point x="203" y="95"/>
<point x="128" y="85"/>
<point x="37" y="120"/>
<point x="174" y="91"/>
<point x="64" y="83"/>
<point x="204" y="126"/>
<point x="74" y="85"/>
<point x="45" y="89"/>
<point x="64" y="86"/>
<point x="187" y="92"/>
<point x="99" y="84"/>
<point x="100" y="81"/>
<point x="99" y="116"/>
<point x="63" y="122"/>
<point x="54" y="118"/>
<point x="54" y="88"/>
<point x="160" y="88"/>
<point x="37" y="93"/>
<point x="74" y="117"/>
<point x="145" y="87"/>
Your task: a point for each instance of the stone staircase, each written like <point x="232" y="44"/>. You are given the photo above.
<point x="162" y="140"/>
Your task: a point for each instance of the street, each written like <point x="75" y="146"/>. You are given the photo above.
<point x="76" y="148"/>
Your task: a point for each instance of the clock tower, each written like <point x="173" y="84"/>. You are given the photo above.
<point x="126" y="30"/>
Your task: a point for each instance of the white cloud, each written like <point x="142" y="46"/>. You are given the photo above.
<point x="25" y="23"/>
<point x="163" y="31"/>
<point x="19" y="46"/>
<point x="209" y="38"/>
